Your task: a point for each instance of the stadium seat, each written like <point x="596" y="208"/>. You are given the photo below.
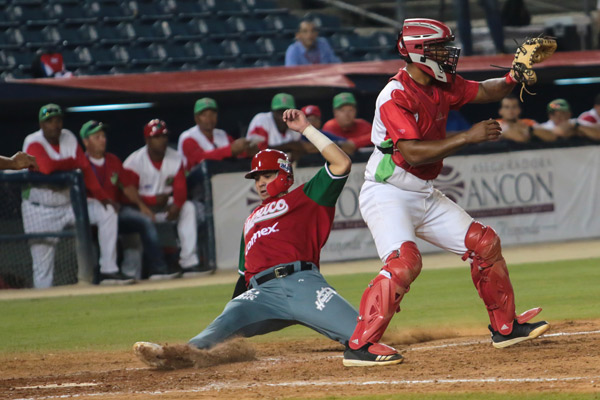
<point x="8" y="39"/>
<point x="216" y="29"/>
<point x="111" y="34"/>
<point x="141" y="55"/>
<point x="187" y="9"/>
<point x="224" y="9"/>
<point x="72" y="13"/>
<point x="284" y="23"/>
<point x="214" y="53"/>
<point x="107" y="57"/>
<point x="327" y="24"/>
<point x="32" y="14"/>
<point x="35" y="37"/>
<point x="74" y="35"/>
<point x="247" y="50"/>
<point x="181" y="53"/>
<point x="250" y="27"/>
<point x="183" y="31"/>
<point x="275" y="46"/>
<point x="150" y="31"/>
<point x="264" y="7"/>
<point x="73" y="61"/>
<point x="19" y="59"/>
<point x="110" y="11"/>
<point x="150" y="10"/>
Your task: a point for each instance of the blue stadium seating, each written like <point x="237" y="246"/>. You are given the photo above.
<point x="250" y="27"/>
<point x="185" y="30"/>
<point x="150" y="31"/>
<point x="76" y="35"/>
<point x="124" y="36"/>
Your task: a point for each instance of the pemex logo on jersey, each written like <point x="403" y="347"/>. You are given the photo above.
<point x="269" y="211"/>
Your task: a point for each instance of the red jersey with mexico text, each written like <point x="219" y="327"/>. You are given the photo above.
<point x="293" y="227"/>
<point x="407" y="110"/>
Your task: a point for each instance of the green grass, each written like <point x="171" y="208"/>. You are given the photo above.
<point x="567" y="290"/>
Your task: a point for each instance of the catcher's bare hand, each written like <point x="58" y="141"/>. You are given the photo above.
<point x="532" y="51"/>
<point x="484" y="131"/>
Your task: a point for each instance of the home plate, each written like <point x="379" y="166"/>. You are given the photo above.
<point x="58" y="385"/>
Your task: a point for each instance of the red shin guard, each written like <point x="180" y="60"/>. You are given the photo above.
<point x="382" y="297"/>
<point x="490" y="276"/>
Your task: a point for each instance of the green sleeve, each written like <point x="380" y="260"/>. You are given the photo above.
<point x="242" y="260"/>
<point x="324" y="188"/>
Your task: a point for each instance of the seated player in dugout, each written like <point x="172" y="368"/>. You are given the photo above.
<point x="156" y="172"/>
<point x="204" y="141"/>
<point x="280" y="252"/>
<point x="269" y="130"/>
<point x="399" y="202"/>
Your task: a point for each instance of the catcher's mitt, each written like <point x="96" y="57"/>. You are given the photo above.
<point x="532" y="51"/>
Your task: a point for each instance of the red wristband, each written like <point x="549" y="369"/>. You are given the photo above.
<point x="509" y="79"/>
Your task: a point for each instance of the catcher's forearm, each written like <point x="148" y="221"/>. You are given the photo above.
<point x="492" y="90"/>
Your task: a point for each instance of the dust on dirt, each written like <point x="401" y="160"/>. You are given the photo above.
<point x="565" y="359"/>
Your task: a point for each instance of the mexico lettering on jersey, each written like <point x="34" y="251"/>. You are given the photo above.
<point x="407" y="110"/>
<point x="293" y="227"/>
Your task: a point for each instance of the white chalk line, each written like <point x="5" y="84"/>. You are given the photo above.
<point x="441" y="346"/>
<point x="218" y="386"/>
<point x="59" y="385"/>
<point x="229" y="386"/>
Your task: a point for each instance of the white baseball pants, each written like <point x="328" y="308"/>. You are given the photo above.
<point x="395" y="216"/>
<point x="40" y="218"/>
<point x="187" y="231"/>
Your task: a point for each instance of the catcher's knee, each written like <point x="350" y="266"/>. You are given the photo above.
<point x="403" y="265"/>
<point x="483" y="245"/>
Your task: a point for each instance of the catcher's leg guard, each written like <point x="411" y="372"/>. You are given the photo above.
<point x="490" y="276"/>
<point x="382" y="297"/>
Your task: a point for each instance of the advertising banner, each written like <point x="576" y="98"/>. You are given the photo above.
<point x="526" y="196"/>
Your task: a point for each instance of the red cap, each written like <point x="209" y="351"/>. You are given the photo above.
<point x="311" y="110"/>
<point x="155" y="127"/>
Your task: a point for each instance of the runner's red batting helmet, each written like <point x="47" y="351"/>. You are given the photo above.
<point x="422" y="41"/>
<point x="276" y="161"/>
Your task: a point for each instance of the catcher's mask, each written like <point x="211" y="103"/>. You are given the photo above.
<point x="422" y="41"/>
<point x="276" y="161"/>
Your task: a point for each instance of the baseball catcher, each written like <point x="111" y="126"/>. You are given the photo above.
<point x="399" y="202"/>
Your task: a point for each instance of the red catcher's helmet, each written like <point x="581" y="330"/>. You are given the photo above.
<point x="422" y="41"/>
<point x="155" y="127"/>
<point x="277" y="161"/>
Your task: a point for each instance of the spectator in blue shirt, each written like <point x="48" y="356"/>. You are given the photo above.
<point x="309" y="48"/>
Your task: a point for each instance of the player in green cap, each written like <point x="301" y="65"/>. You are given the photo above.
<point x="269" y="130"/>
<point x="345" y="124"/>
<point x="204" y="141"/>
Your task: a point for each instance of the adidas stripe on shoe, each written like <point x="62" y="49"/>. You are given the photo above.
<point x="520" y="333"/>
<point x="371" y="354"/>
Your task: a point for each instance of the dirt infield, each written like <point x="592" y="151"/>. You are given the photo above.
<point x="565" y="359"/>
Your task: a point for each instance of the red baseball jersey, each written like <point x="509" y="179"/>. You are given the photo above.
<point x="293" y="227"/>
<point x="359" y="133"/>
<point x="411" y="111"/>
<point x="110" y="174"/>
